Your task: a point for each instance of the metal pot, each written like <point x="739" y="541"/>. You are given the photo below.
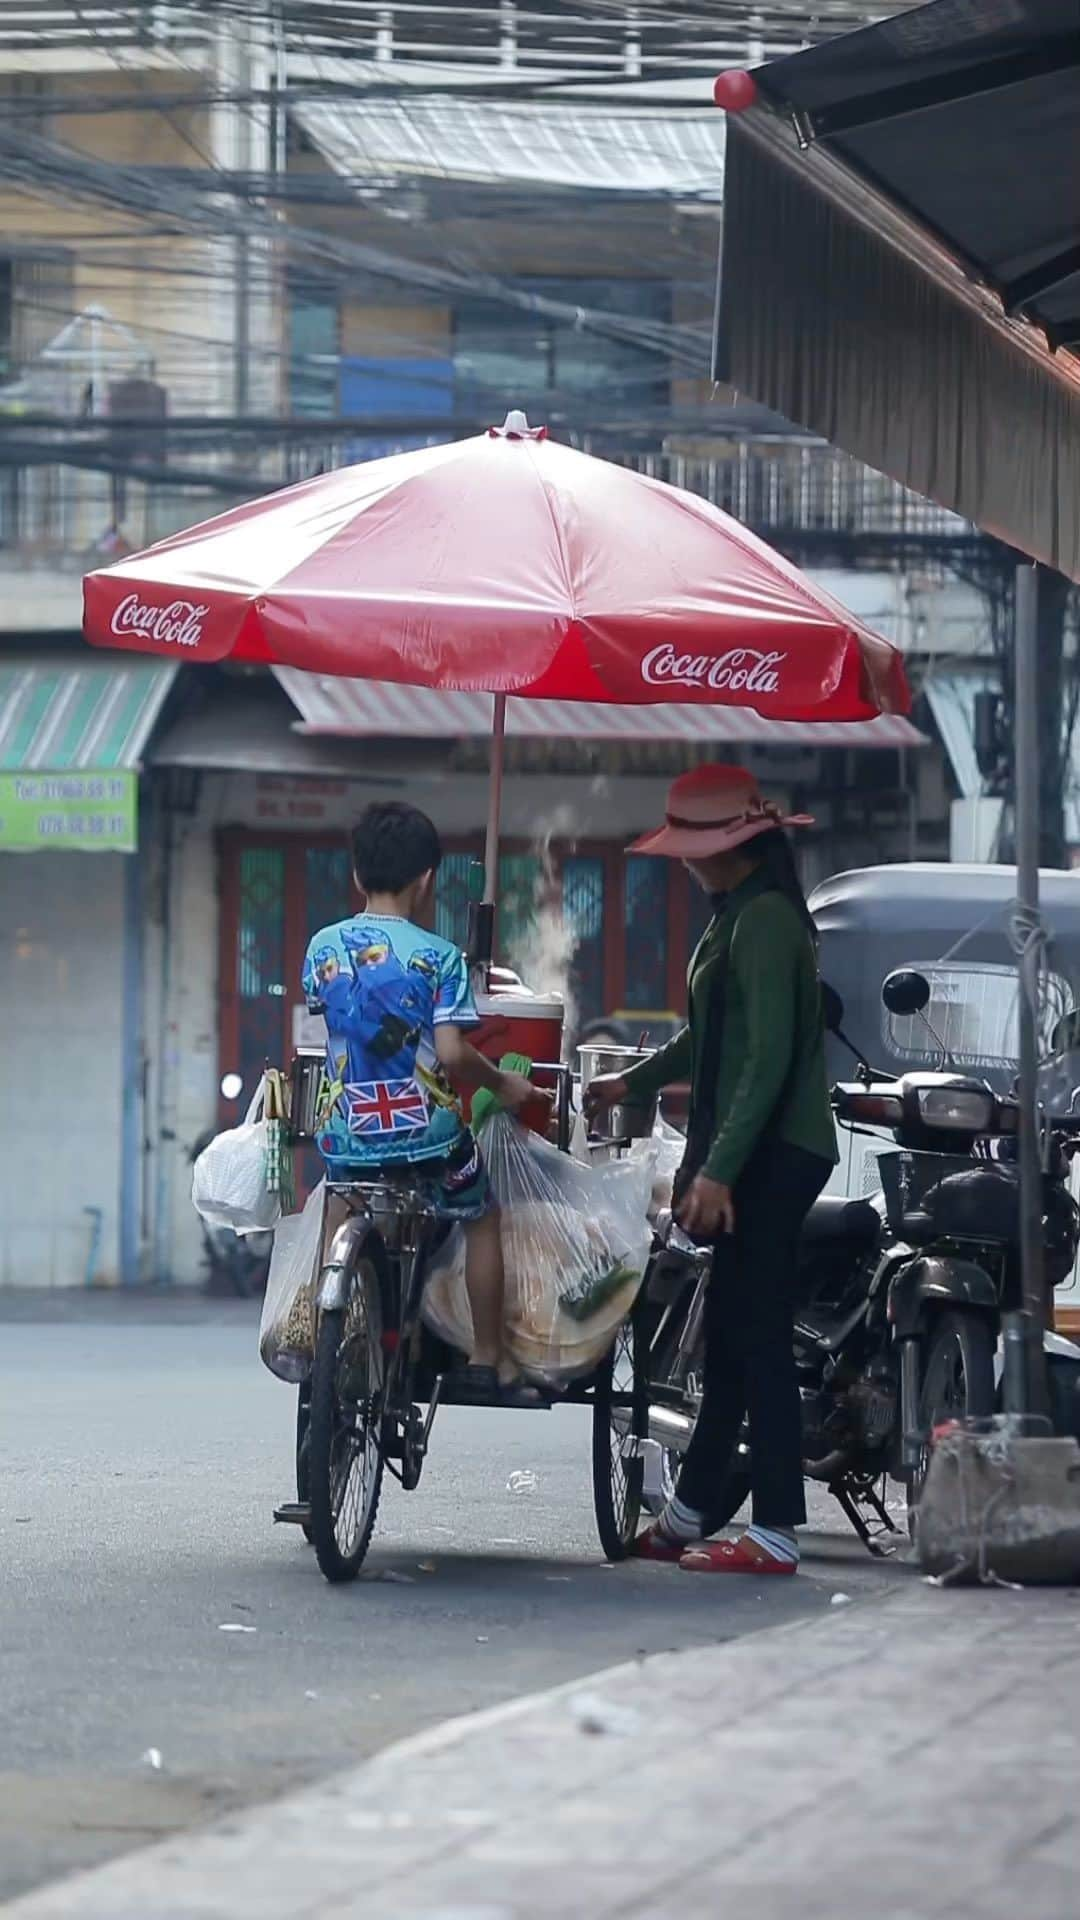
<point x="306" y="1080"/>
<point x="631" y="1120"/>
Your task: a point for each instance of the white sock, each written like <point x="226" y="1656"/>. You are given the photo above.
<point x="778" y="1542"/>
<point x="678" y="1522"/>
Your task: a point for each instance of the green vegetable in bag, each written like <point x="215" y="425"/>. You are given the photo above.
<point x="593" y="1291"/>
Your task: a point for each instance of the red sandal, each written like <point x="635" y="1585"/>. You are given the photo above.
<point x="651" y="1545"/>
<point x="731" y="1556"/>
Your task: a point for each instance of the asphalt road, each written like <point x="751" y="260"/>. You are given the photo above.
<point x="142" y="1449"/>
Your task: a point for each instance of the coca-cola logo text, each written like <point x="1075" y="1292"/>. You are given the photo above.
<point x="179" y="624"/>
<point x="740" y="670"/>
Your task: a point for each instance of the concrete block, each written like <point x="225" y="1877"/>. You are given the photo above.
<point x="998" y="1506"/>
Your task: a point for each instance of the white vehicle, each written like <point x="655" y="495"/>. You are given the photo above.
<point x="954" y="925"/>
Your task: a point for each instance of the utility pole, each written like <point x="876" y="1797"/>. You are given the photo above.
<point x="1053" y="745"/>
<point x="240" y="142"/>
<point x="242" y="328"/>
<point x="1025" y="1387"/>
<point x="996" y="717"/>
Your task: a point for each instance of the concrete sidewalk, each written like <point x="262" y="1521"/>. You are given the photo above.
<point x="913" y="1756"/>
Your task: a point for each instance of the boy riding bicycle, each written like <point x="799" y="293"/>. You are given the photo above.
<point x="398" y="1004"/>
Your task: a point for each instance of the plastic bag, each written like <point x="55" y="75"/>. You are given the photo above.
<point x="229" y="1185"/>
<point x="664" y="1151"/>
<point x="287" y="1325"/>
<point x="575" y="1241"/>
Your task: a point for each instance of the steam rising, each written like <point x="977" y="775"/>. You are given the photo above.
<point x="543" y="954"/>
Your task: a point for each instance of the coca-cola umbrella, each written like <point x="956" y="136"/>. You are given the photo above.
<point x="505" y="564"/>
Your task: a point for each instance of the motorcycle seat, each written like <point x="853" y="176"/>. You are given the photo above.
<point x="836" y="1220"/>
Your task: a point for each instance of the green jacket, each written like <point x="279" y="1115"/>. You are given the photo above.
<point x="772" y="1079"/>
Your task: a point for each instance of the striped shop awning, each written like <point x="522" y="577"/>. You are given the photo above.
<point x="77" y="712"/>
<point x="362" y="708"/>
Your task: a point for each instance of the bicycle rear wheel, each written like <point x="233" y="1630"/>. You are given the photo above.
<point x="303" y="1452"/>
<point x="345" y="1462"/>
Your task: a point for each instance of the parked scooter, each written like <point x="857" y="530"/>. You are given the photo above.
<point x="899" y="1296"/>
<point x="235" y="1265"/>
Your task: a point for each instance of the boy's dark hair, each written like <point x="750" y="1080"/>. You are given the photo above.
<point x="392" y="845"/>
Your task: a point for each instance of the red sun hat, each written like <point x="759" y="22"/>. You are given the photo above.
<point x="712" y="810"/>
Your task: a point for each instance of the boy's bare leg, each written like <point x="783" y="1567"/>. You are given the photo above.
<point x="485" y="1286"/>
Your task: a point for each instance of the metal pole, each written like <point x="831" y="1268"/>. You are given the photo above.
<point x="1025" y="1384"/>
<point x="498" y="753"/>
<point x="241" y="327"/>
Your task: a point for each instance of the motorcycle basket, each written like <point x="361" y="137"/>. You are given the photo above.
<point x="943" y="1196"/>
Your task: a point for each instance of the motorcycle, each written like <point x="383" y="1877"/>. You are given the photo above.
<point x="235" y="1265"/>
<point x="899" y="1296"/>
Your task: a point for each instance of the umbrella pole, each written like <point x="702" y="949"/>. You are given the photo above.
<point x="498" y="755"/>
<point x="1025" y="1385"/>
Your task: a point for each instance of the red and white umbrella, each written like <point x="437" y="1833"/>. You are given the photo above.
<point x="505" y="564"/>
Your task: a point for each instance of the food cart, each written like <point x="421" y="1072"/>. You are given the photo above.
<point x="513" y="565"/>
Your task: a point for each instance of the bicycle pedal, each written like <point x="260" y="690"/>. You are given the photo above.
<point x="293" y="1513"/>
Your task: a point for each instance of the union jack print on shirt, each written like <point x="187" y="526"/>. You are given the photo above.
<point x="385" y="1106"/>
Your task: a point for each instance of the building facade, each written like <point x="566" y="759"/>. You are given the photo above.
<point x="230" y="261"/>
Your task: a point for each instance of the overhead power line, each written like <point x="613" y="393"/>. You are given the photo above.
<point x="40" y="164"/>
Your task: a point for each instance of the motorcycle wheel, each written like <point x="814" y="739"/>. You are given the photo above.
<point x="957" y="1383"/>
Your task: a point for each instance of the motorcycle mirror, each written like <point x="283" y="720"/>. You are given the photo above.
<point x="906" y="992"/>
<point x="231" y="1086"/>
<point x="832" y="1007"/>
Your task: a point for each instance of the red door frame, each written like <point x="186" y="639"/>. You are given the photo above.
<point x="232" y="841"/>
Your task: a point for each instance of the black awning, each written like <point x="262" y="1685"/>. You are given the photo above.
<point x="901" y="257"/>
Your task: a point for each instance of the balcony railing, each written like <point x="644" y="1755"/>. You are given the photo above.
<point x="57" y="516"/>
<point x="642" y="41"/>
<point x="773" y="486"/>
<point x="805" y="488"/>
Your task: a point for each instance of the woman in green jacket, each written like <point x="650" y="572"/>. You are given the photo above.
<point x="760" y="1148"/>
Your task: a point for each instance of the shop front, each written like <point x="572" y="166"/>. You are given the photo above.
<point x="71" y="735"/>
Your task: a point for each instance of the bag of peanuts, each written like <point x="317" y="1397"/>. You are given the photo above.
<point x="287" y="1325"/>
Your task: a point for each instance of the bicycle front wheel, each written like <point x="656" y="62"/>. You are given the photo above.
<point x="620" y="1421"/>
<point x="345" y="1463"/>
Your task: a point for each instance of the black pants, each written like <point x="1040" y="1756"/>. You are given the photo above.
<point x="749" y="1359"/>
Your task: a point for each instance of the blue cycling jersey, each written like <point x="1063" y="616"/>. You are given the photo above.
<point x="385" y="985"/>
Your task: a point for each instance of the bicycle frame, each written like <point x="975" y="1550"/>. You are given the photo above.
<point x="372" y="1204"/>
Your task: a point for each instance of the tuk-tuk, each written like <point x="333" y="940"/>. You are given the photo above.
<point x="954" y="925"/>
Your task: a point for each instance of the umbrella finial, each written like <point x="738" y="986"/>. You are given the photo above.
<point x="516" y="427"/>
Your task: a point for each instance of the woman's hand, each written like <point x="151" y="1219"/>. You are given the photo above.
<point x="707" y="1209"/>
<point x="604" y="1092"/>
